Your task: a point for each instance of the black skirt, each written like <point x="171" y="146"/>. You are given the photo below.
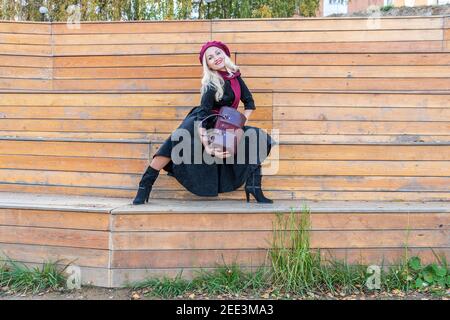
<point x="210" y="179"/>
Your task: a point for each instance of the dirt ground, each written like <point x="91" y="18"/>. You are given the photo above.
<point x="96" y="293"/>
<point x="402" y="11"/>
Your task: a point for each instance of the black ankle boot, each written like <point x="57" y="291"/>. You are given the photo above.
<point x="253" y="185"/>
<point x="145" y="185"/>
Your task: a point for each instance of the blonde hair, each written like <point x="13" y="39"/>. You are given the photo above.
<point x="213" y="79"/>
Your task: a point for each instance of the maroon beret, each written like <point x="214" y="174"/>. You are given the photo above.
<point x="218" y="44"/>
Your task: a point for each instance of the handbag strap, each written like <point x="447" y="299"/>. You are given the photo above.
<point x="211" y="115"/>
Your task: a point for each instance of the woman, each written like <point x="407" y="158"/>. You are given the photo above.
<point x="219" y="88"/>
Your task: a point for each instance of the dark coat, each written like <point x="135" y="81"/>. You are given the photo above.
<point x="209" y="179"/>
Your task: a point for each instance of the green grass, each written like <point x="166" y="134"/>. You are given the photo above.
<point x="225" y="279"/>
<point x="298" y="270"/>
<point x="17" y="277"/>
<point x="230" y="280"/>
<point x="165" y="287"/>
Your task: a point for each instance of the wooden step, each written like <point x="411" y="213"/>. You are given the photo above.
<point x="115" y="242"/>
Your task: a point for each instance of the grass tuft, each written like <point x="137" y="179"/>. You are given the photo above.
<point x="18" y="277"/>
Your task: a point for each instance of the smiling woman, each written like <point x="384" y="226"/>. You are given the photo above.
<point x="222" y="85"/>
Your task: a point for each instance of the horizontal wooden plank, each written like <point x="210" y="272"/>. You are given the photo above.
<point x="25" y="27"/>
<point x="25" y="72"/>
<point x="361" y="114"/>
<point x="55" y="189"/>
<point x="26" y="49"/>
<point x="157" y="60"/>
<point x="37" y="254"/>
<point x="71" y="178"/>
<point x="370" y="168"/>
<point x="354" y="152"/>
<point x="350" y="127"/>
<point x="54" y="219"/>
<point x="333" y="183"/>
<point x="235" y="195"/>
<point x="313" y="195"/>
<point x="323" y="36"/>
<point x="256" y="71"/>
<point x="20" y="38"/>
<point x="136" y="113"/>
<point x="245" y="60"/>
<point x="131" y="137"/>
<point x="246" y="37"/>
<point x="158" y="138"/>
<point x="328" y="59"/>
<point x="81" y="164"/>
<point x="271" y="182"/>
<point x="55" y="237"/>
<point x="166" y="126"/>
<point x="348" y="71"/>
<point x="275" y="83"/>
<point x="401" y="139"/>
<point x="262" y="239"/>
<point x="283" y="127"/>
<point x="25" y="61"/>
<point x="112" y="27"/>
<point x="263" y="221"/>
<point x="281" y="167"/>
<point x="128" y="72"/>
<point x="343" y="99"/>
<point x="79" y="149"/>
<point x="325" y="23"/>
<point x="87" y="85"/>
<point x="332" y="47"/>
<point x="114" y="99"/>
<point x="25" y="84"/>
<point x="157" y="259"/>
<point x="161" y="38"/>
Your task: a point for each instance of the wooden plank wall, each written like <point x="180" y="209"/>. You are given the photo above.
<point x="25" y="56"/>
<point x="362" y="107"/>
<point x="81" y="238"/>
<point x="147" y="244"/>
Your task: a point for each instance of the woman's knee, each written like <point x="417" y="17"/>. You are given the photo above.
<point x="159" y="162"/>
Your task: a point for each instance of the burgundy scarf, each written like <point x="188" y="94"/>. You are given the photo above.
<point x="234" y="85"/>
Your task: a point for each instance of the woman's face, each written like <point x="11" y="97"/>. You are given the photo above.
<point x="215" y="58"/>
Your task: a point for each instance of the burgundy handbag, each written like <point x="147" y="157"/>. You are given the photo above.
<point x="227" y="131"/>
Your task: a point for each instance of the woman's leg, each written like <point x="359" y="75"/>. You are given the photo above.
<point x="159" y="162"/>
<point x="149" y="177"/>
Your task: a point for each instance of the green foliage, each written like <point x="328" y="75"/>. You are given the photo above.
<point x="431" y="275"/>
<point x="130" y="10"/>
<point x="222" y="280"/>
<point x="18" y="277"/>
<point x="308" y="8"/>
<point x="165" y="287"/>
<point x="387" y="7"/>
<point x="230" y="280"/>
<point x="411" y="274"/>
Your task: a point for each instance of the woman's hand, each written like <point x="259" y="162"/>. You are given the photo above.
<point x="217" y="152"/>
<point x="221" y="154"/>
<point x="247" y="114"/>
